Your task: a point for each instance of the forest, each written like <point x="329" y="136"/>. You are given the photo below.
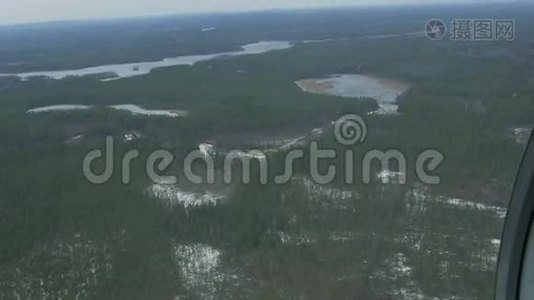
<point x="62" y="236"/>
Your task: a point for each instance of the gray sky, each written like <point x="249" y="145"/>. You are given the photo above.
<point x="25" y="11"/>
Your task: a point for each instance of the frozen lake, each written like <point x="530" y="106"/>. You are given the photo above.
<point x="61" y="107"/>
<point x="133" y="109"/>
<point x="384" y="91"/>
<point x="143" y="68"/>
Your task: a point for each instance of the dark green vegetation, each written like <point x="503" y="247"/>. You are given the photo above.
<point x="297" y="241"/>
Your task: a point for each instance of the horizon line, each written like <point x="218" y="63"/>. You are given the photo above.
<point x="245" y="11"/>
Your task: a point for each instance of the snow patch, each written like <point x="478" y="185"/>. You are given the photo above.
<point x="199" y="264"/>
<point x="420" y="197"/>
<point x="171" y="195"/>
<point x="208" y="150"/>
<point x="138" y="110"/>
<point x="391" y="177"/>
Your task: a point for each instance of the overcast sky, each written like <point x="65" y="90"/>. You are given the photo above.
<point x="25" y="11"/>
